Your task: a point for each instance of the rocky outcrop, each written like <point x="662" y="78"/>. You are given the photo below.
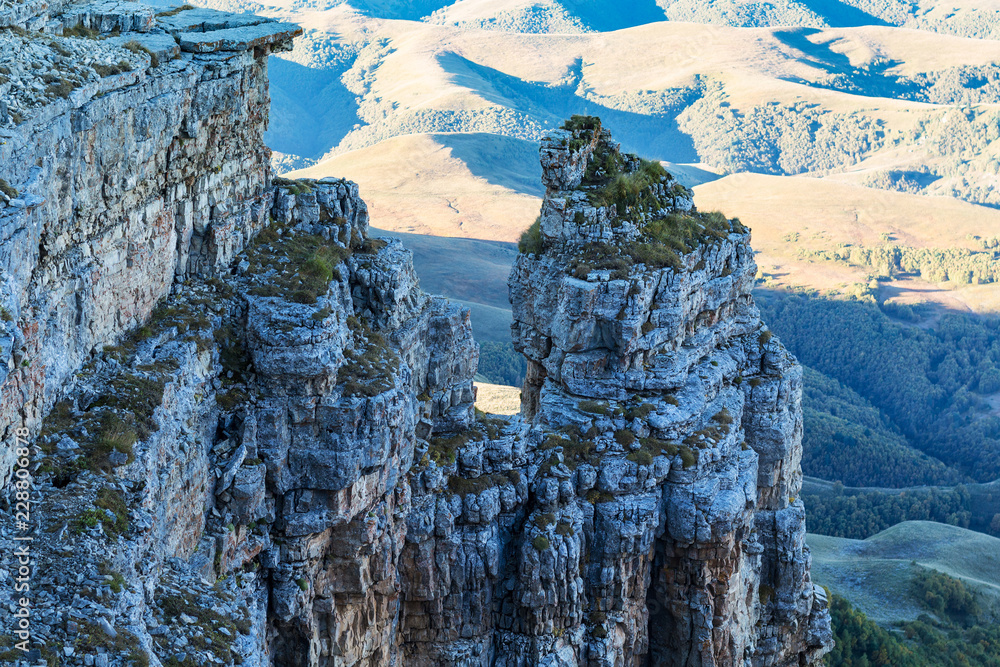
<point x="127" y="164"/>
<point x="254" y="438"/>
<point x="646" y="513"/>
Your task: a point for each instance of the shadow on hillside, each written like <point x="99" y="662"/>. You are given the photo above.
<point x="311" y="110"/>
<point x="654" y="136"/>
<point x="871" y="80"/>
<point x="600" y="15"/>
<point x="399" y="9"/>
<point x="506" y="161"/>
<point x="608" y="15"/>
<point x="469" y="271"/>
<point x="465" y="269"/>
<point x="817" y="55"/>
<point x="842" y="15"/>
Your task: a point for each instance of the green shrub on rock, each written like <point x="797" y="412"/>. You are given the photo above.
<point x="531" y="238"/>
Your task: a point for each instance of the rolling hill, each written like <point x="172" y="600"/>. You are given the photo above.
<point x="875" y="574"/>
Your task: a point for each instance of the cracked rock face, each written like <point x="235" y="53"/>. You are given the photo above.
<point x="689" y="412"/>
<point x="283" y="464"/>
<point x="128" y="165"/>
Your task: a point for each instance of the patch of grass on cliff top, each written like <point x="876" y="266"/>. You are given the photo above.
<point x="624" y="190"/>
<point x="298" y="267"/>
<point x="443" y="450"/>
<point x="136" y="47"/>
<point x="175" y="11"/>
<point x="628" y="183"/>
<point x="82" y="31"/>
<point x="112" y="70"/>
<point x="685" y="232"/>
<point x="663" y="242"/>
<point x="583" y="128"/>
<point x="579" y="122"/>
<point x="295" y="186"/>
<point x="576" y="448"/>
<point x="123" y="413"/>
<point x="122" y="416"/>
<point x="464" y="486"/>
<point x="188" y="318"/>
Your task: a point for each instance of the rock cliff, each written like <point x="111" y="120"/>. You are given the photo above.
<point x="253" y="437"/>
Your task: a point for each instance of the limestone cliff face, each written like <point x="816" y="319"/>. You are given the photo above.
<point x="673" y="410"/>
<point x="131" y="159"/>
<point x="254" y="435"/>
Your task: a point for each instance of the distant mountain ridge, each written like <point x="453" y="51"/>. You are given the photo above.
<point x="834" y="95"/>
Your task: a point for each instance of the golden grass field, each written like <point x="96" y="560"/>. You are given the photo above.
<point x="498" y="399"/>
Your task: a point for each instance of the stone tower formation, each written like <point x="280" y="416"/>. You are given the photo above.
<point x="253" y="437"/>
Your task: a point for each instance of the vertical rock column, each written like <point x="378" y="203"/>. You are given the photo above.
<point x="344" y="387"/>
<point x="665" y="432"/>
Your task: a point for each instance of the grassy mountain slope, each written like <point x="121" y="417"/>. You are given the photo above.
<point x="426" y="184"/>
<point x="463" y="269"/>
<point x="797" y="221"/>
<point x="498" y="399"/>
<point x="875" y="574"/>
<point x="438" y="120"/>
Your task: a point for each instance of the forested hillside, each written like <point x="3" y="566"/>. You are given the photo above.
<point x="934" y="384"/>
<point x="955" y="629"/>
<point x="847" y="439"/>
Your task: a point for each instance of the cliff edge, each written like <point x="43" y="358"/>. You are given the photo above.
<point x="248" y="437"/>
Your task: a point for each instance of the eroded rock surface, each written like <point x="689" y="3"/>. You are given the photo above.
<point x="126" y="166"/>
<point x="254" y="436"/>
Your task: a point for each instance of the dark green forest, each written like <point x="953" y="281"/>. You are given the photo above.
<point x="847" y="439"/>
<point x="861" y="513"/>
<point x="500" y="363"/>
<point x="928" y="383"/>
<point x="861" y="642"/>
<point x="859" y="516"/>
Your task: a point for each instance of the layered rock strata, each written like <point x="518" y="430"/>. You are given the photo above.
<point x="132" y="156"/>
<point x="671" y="419"/>
<point x="282" y="464"/>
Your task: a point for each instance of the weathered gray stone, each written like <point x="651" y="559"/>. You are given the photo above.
<point x="285" y="458"/>
<point x="162" y="173"/>
<point x="237" y="39"/>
